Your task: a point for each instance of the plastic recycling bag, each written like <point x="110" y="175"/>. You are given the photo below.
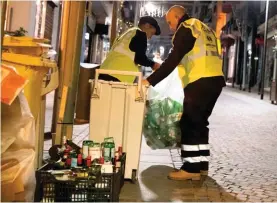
<point x="163" y="113"/>
<point x="17" y="151"/>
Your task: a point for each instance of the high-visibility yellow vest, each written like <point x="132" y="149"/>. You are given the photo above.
<point x="204" y="60"/>
<point x="121" y="57"/>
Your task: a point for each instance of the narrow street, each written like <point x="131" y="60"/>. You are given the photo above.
<point x="70" y="47"/>
<point x="243" y="166"/>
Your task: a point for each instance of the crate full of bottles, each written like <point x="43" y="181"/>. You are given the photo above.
<point x="91" y="173"/>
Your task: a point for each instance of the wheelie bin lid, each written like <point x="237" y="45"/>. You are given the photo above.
<point x="27" y="60"/>
<point x="11" y="41"/>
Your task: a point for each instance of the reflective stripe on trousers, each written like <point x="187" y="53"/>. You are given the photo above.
<point x="197" y="159"/>
<point x="195" y="153"/>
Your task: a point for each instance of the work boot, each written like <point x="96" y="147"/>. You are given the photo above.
<point x="204" y="168"/>
<point x="183" y="175"/>
<point x="204" y="172"/>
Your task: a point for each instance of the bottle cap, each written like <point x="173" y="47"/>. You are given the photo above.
<point x="88" y="161"/>
<point x="101" y="160"/>
<point x="120" y="150"/>
<point x="68" y="161"/>
<point x="79" y="159"/>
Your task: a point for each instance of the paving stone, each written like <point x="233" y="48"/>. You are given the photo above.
<point x="254" y="200"/>
<point x="188" y="200"/>
<point x="271" y="199"/>
<point x="242" y="197"/>
<point x="243" y="152"/>
<point x="202" y="200"/>
<point x="155" y="159"/>
<point x="271" y="193"/>
<point x="201" y="191"/>
<point x="261" y="196"/>
<point x="259" y="190"/>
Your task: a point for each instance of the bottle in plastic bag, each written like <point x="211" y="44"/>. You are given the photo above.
<point x="163" y="112"/>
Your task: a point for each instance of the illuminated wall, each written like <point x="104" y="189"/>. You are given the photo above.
<point x="21" y="14"/>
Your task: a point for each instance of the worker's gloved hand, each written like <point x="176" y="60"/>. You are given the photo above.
<point x="156" y="66"/>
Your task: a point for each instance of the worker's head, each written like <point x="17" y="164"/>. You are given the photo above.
<point x="173" y="16"/>
<point x="150" y="26"/>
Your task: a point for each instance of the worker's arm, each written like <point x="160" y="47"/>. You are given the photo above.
<point x="138" y="45"/>
<point x="182" y="44"/>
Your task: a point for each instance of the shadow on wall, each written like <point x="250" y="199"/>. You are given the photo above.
<point x="154" y="180"/>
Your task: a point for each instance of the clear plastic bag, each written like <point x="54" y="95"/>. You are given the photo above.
<point x="163" y="112"/>
<point x="18" y="151"/>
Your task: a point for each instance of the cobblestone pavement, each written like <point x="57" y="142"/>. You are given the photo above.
<point x="243" y="167"/>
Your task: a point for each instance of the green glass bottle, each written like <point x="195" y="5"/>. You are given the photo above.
<point x="73" y="156"/>
<point x="108" y="149"/>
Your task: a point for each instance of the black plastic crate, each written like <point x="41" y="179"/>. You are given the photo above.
<point x="105" y="189"/>
<point x="122" y="170"/>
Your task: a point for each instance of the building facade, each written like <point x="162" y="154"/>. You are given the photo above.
<point x="242" y="38"/>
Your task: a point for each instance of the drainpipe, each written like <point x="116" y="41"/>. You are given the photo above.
<point x="69" y="63"/>
<point x="273" y="88"/>
<point x="264" y="50"/>
<point x="137" y="12"/>
<point x="250" y="69"/>
<point x="237" y="61"/>
<point x="254" y="53"/>
<point x="114" y="23"/>
<point x="273" y="95"/>
<point x="193" y="9"/>
<point x="245" y="47"/>
<point x="226" y="63"/>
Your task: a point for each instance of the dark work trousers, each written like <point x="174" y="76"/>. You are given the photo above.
<point x="199" y="101"/>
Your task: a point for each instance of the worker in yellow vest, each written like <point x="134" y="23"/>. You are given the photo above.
<point x="197" y="50"/>
<point x="129" y="51"/>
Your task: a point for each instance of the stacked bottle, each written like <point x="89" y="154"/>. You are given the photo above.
<point x="90" y="157"/>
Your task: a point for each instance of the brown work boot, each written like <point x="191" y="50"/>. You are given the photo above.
<point x="204" y="172"/>
<point x="183" y="175"/>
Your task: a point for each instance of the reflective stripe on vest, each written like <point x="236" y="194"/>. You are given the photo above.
<point x="123" y="41"/>
<point x="204" y="59"/>
<point x="120" y="57"/>
<point x="195" y="31"/>
<point x="121" y="49"/>
<point x="201" y="44"/>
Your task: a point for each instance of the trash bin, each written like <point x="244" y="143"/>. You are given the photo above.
<point x="117" y="110"/>
<point x="26" y="45"/>
<point x="34" y="69"/>
<point x="28" y="56"/>
<point x="87" y="72"/>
